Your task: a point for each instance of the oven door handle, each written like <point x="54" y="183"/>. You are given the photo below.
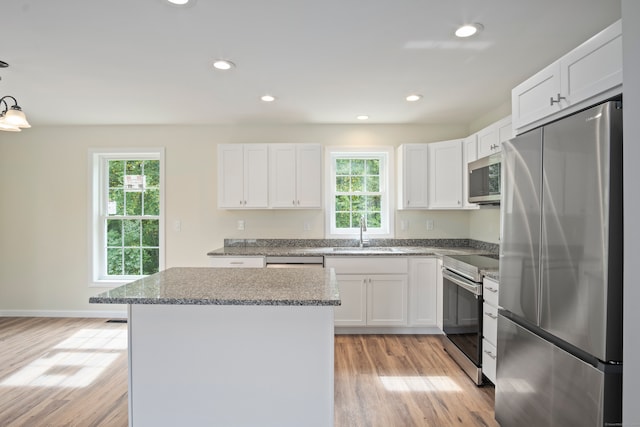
<point x="472" y="287"/>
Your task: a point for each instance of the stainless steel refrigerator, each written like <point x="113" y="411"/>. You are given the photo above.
<point x="560" y="318"/>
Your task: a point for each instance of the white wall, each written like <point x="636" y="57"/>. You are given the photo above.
<point x="43" y="217"/>
<point x="484" y="224"/>
<point x="631" y="72"/>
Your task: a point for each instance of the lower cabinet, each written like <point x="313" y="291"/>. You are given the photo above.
<point x="373" y="290"/>
<point x="237" y="262"/>
<point x="489" y="328"/>
<point x="386" y="291"/>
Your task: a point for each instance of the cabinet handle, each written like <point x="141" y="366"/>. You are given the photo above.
<point x="556" y="101"/>
<point x="490" y="289"/>
<point x="236" y="262"/>
<point x="240" y="202"/>
<point x="491" y="315"/>
<point x="490" y="354"/>
<point x="408" y="202"/>
<point x="298" y="202"/>
<point x="293" y="202"/>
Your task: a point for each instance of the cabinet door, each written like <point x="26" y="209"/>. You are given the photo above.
<point x="488" y="141"/>
<point x="593" y="67"/>
<point x="445" y="174"/>
<point x="309" y="176"/>
<point x="282" y="175"/>
<point x="256" y="175"/>
<point x="469" y="154"/>
<point x="505" y="131"/>
<point x="531" y="99"/>
<point x="230" y="176"/>
<point x="440" y="297"/>
<point x="423" y="274"/>
<point x="414" y="176"/>
<point x="387" y="300"/>
<point x="352" y="311"/>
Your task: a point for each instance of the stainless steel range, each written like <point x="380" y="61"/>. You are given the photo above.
<point x="462" y="309"/>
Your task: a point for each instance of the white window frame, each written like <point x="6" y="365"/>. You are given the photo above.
<point x="98" y="171"/>
<point x="387" y="161"/>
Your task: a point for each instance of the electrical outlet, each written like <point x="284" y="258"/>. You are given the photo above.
<point x="177" y="225"/>
<point x="307" y="226"/>
<point x="240" y="224"/>
<point x="429" y="224"/>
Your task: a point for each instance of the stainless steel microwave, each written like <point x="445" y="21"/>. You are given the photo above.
<point x="484" y="180"/>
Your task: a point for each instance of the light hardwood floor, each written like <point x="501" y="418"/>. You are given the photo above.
<point x="73" y="372"/>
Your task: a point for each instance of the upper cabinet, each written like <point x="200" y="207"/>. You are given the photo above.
<point x="243" y="176"/>
<point x="591" y="70"/>
<point x="490" y="139"/>
<point x="295" y="176"/>
<point x="445" y="174"/>
<point x="413" y="176"/>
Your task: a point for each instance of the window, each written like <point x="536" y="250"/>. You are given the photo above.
<point x="359" y="188"/>
<point x="126" y="215"/>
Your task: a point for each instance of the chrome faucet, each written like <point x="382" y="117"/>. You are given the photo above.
<point x="363" y="227"/>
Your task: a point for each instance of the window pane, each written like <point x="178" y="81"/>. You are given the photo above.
<point x="152" y="172"/>
<point x="114" y="232"/>
<point x="134" y="202"/>
<point x="374" y="203"/>
<point x="374" y="220"/>
<point x="357" y="203"/>
<point x="373" y="167"/>
<point x="116" y="173"/>
<point x="152" y="202"/>
<point x="343" y="167"/>
<point x="357" y="167"/>
<point x="355" y="219"/>
<point x="114" y="261"/>
<point x="116" y="202"/>
<point x="150" y="261"/>
<point x="150" y="233"/>
<point x="131" y="232"/>
<point x="343" y="203"/>
<point x="357" y="183"/>
<point x="372" y="184"/>
<point x="132" y="261"/>
<point x="134" y="167"/>
<point x="343" y="220"/>
<point x="343" y="184"/>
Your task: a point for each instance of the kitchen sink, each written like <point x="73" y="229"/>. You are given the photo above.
<point x="365" y="249"/>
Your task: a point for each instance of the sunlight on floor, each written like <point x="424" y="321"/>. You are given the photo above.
<point x="431" y="384"/>
<point x="73" y="368"/>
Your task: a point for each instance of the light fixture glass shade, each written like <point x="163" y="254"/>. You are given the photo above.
<point x="4" y="126"/>
<point x="15" y="117"/>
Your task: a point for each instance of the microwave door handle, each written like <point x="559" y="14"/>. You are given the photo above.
<point x="465" y="284"/>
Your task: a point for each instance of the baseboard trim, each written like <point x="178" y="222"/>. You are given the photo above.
<point x="64" y="313"/>
<point x="366" y="330"/>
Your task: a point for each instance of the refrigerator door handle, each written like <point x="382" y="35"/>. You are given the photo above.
<point x="470" y="286"/>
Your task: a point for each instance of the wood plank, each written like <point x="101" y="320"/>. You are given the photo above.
<point x="380" y="380"/>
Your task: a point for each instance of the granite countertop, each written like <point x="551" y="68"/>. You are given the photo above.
<point x="492" y="274"/>
<point x="229" y="286"/>
<point x="343" y="251"/>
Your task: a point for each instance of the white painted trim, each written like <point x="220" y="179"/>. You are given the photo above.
<point x="116" y="314"/>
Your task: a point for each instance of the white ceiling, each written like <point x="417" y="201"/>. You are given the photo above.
<point x="147" y="62"/>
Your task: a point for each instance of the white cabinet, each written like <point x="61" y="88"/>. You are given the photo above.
<point x="295" y="176"/>
<point x="237" y="262"/>
<point x="445" y="174"/>
<point x="423" y="302"/>
<point x="591" y="69"/>
<point x="469" y="154"/>
<point x="413" y="176"/>
<point x="490" y="139"/>
<point x="243" y="176"/>
<point x="373" y="290"/>
<point x="489" y="328"/>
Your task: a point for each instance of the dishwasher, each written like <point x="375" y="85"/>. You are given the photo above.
<point x="295" y="261"/>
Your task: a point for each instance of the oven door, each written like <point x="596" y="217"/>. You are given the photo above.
<point x="462" y="314"/>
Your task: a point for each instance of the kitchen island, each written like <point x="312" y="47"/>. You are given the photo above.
<point x="230" y="347"/>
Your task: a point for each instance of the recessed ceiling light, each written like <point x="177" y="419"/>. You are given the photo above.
<point x="469" y="30"/>
<point x="268" y="98"/>
<point x="178" y="2"/>
<point x="223" y="64"/>
<point x="362" y="117"/>
<point x="413" y="97"/>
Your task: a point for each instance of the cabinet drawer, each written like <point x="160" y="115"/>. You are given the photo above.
<point x="490" y="291"/>
<point x="489" y="356"/>
<point x="236" y="262"/>
<point x="368" y="265"/>
<point x="490" y="323"/>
